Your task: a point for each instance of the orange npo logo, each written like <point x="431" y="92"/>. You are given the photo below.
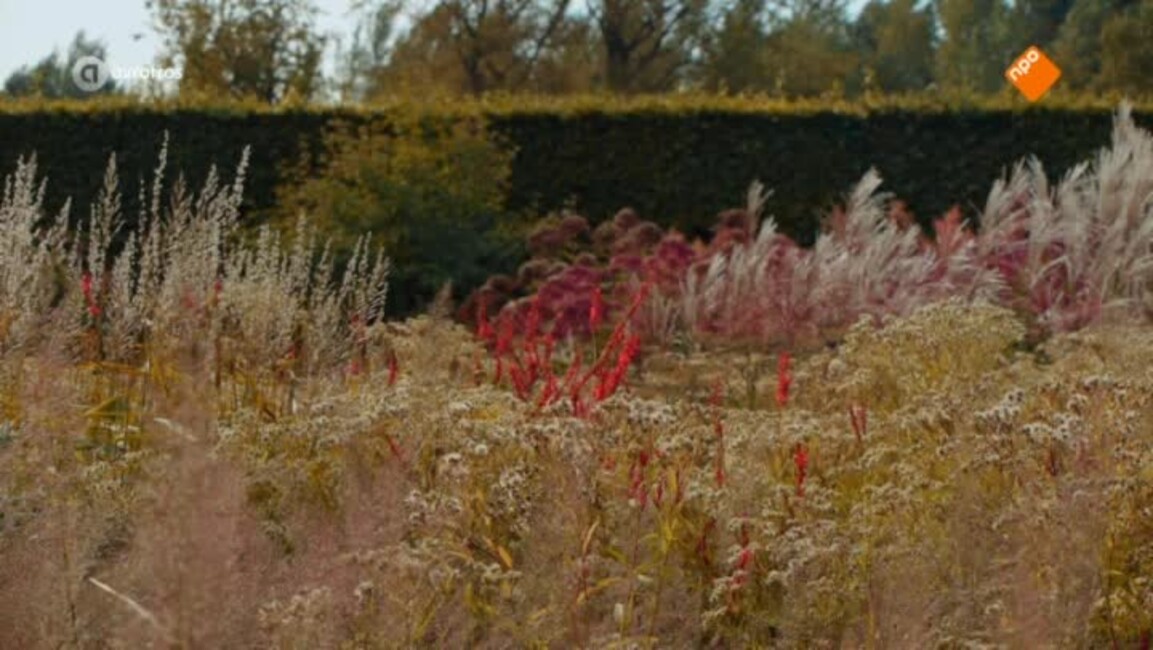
<point x="1033" y="73"/>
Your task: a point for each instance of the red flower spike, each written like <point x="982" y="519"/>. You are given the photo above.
<point x="532" y="363"/>
<point x="394" y="447"/>
<point x="745" y="558"/>
<point x="801" y="461"/>
<point x="642" y="295"/>
<point x="572" y="372"/>
<point x="635" y="477"/>
<point x="612" y="379"/>
<point x="393" y="368"/>
<point x="579" y="409"/>
<point x="484" y="330"/>
<point x="520" y="381"/>
<point x="784" y="379"/>
<point x="596" y="309"/>
<point x="548" y="395"/>
<point x="717" y="398"/>
<point x="504" y="340"/>
<point x="533" y="319"/>
<point x="859" y="418"/>
<point x="94" y="309"/>
<point x="703" y="543"/>
<point x="549" y="345"/>
<point x="602" y="390"/>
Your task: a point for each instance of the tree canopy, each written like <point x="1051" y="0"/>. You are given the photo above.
<point x="273" y="50"/>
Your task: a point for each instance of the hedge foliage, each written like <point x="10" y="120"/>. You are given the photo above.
<point x="677" y="160"/>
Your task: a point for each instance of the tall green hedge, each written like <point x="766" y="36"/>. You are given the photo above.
<point x="676" y="163"/>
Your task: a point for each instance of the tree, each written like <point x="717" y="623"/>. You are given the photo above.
<point x="573" y="63"/>
<point x="896" y="41"/>
<point x="1127" y="50"/>
<point x="362" y="63"/>
<point x="478" y="46"/>
<point x="424" y="58"/>
<point x="51" y="78"/>
<point x="1037" y="22"/>
<point x="734" y="52"/>
<point x="262" y="49"/>
<point x="499" y="42"/>
<point x="1079" y="47"/>
<point x="978" y="44"/>
<point x="809" y="48"/>
<point x="648" y="44"/>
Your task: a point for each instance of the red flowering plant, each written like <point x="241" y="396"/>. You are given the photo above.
<point x="859" y="419"/>
<point x="94" y="330"/>
<point x="801" y="462"/>
<point x="92" y="305"/>
<point x="784" y="379"/>
<point x="523" y="342"/>
<point x="584" y="284"/>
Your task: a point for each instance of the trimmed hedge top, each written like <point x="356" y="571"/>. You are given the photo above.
<point x="570" y="105"/>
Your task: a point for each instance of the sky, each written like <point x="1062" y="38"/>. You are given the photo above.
<point x="31" y="29"/>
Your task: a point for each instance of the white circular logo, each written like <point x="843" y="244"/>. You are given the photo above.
<point x="90" y="73"/>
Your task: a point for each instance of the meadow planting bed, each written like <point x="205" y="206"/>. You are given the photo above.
<point x="214" y="438"/>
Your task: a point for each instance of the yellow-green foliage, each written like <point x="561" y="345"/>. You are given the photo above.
<point x="431" y="190"/>
<point x="503" y="103"/>
<point x="938" y="350"/>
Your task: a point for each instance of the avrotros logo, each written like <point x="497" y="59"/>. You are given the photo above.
<point x="91" y="73"/>
<point x="1033" y="74"/>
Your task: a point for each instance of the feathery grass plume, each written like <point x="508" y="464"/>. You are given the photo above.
<point x="185" y="286"/>
<point x="872" y="266"/>
<point x="769" y="289"/>
<point x="32" y="252"/>
<point x="33" y="261"/>
<point x="1072" y="255"/>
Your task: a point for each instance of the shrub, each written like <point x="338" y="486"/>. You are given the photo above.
<point x="431" y="190"/>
